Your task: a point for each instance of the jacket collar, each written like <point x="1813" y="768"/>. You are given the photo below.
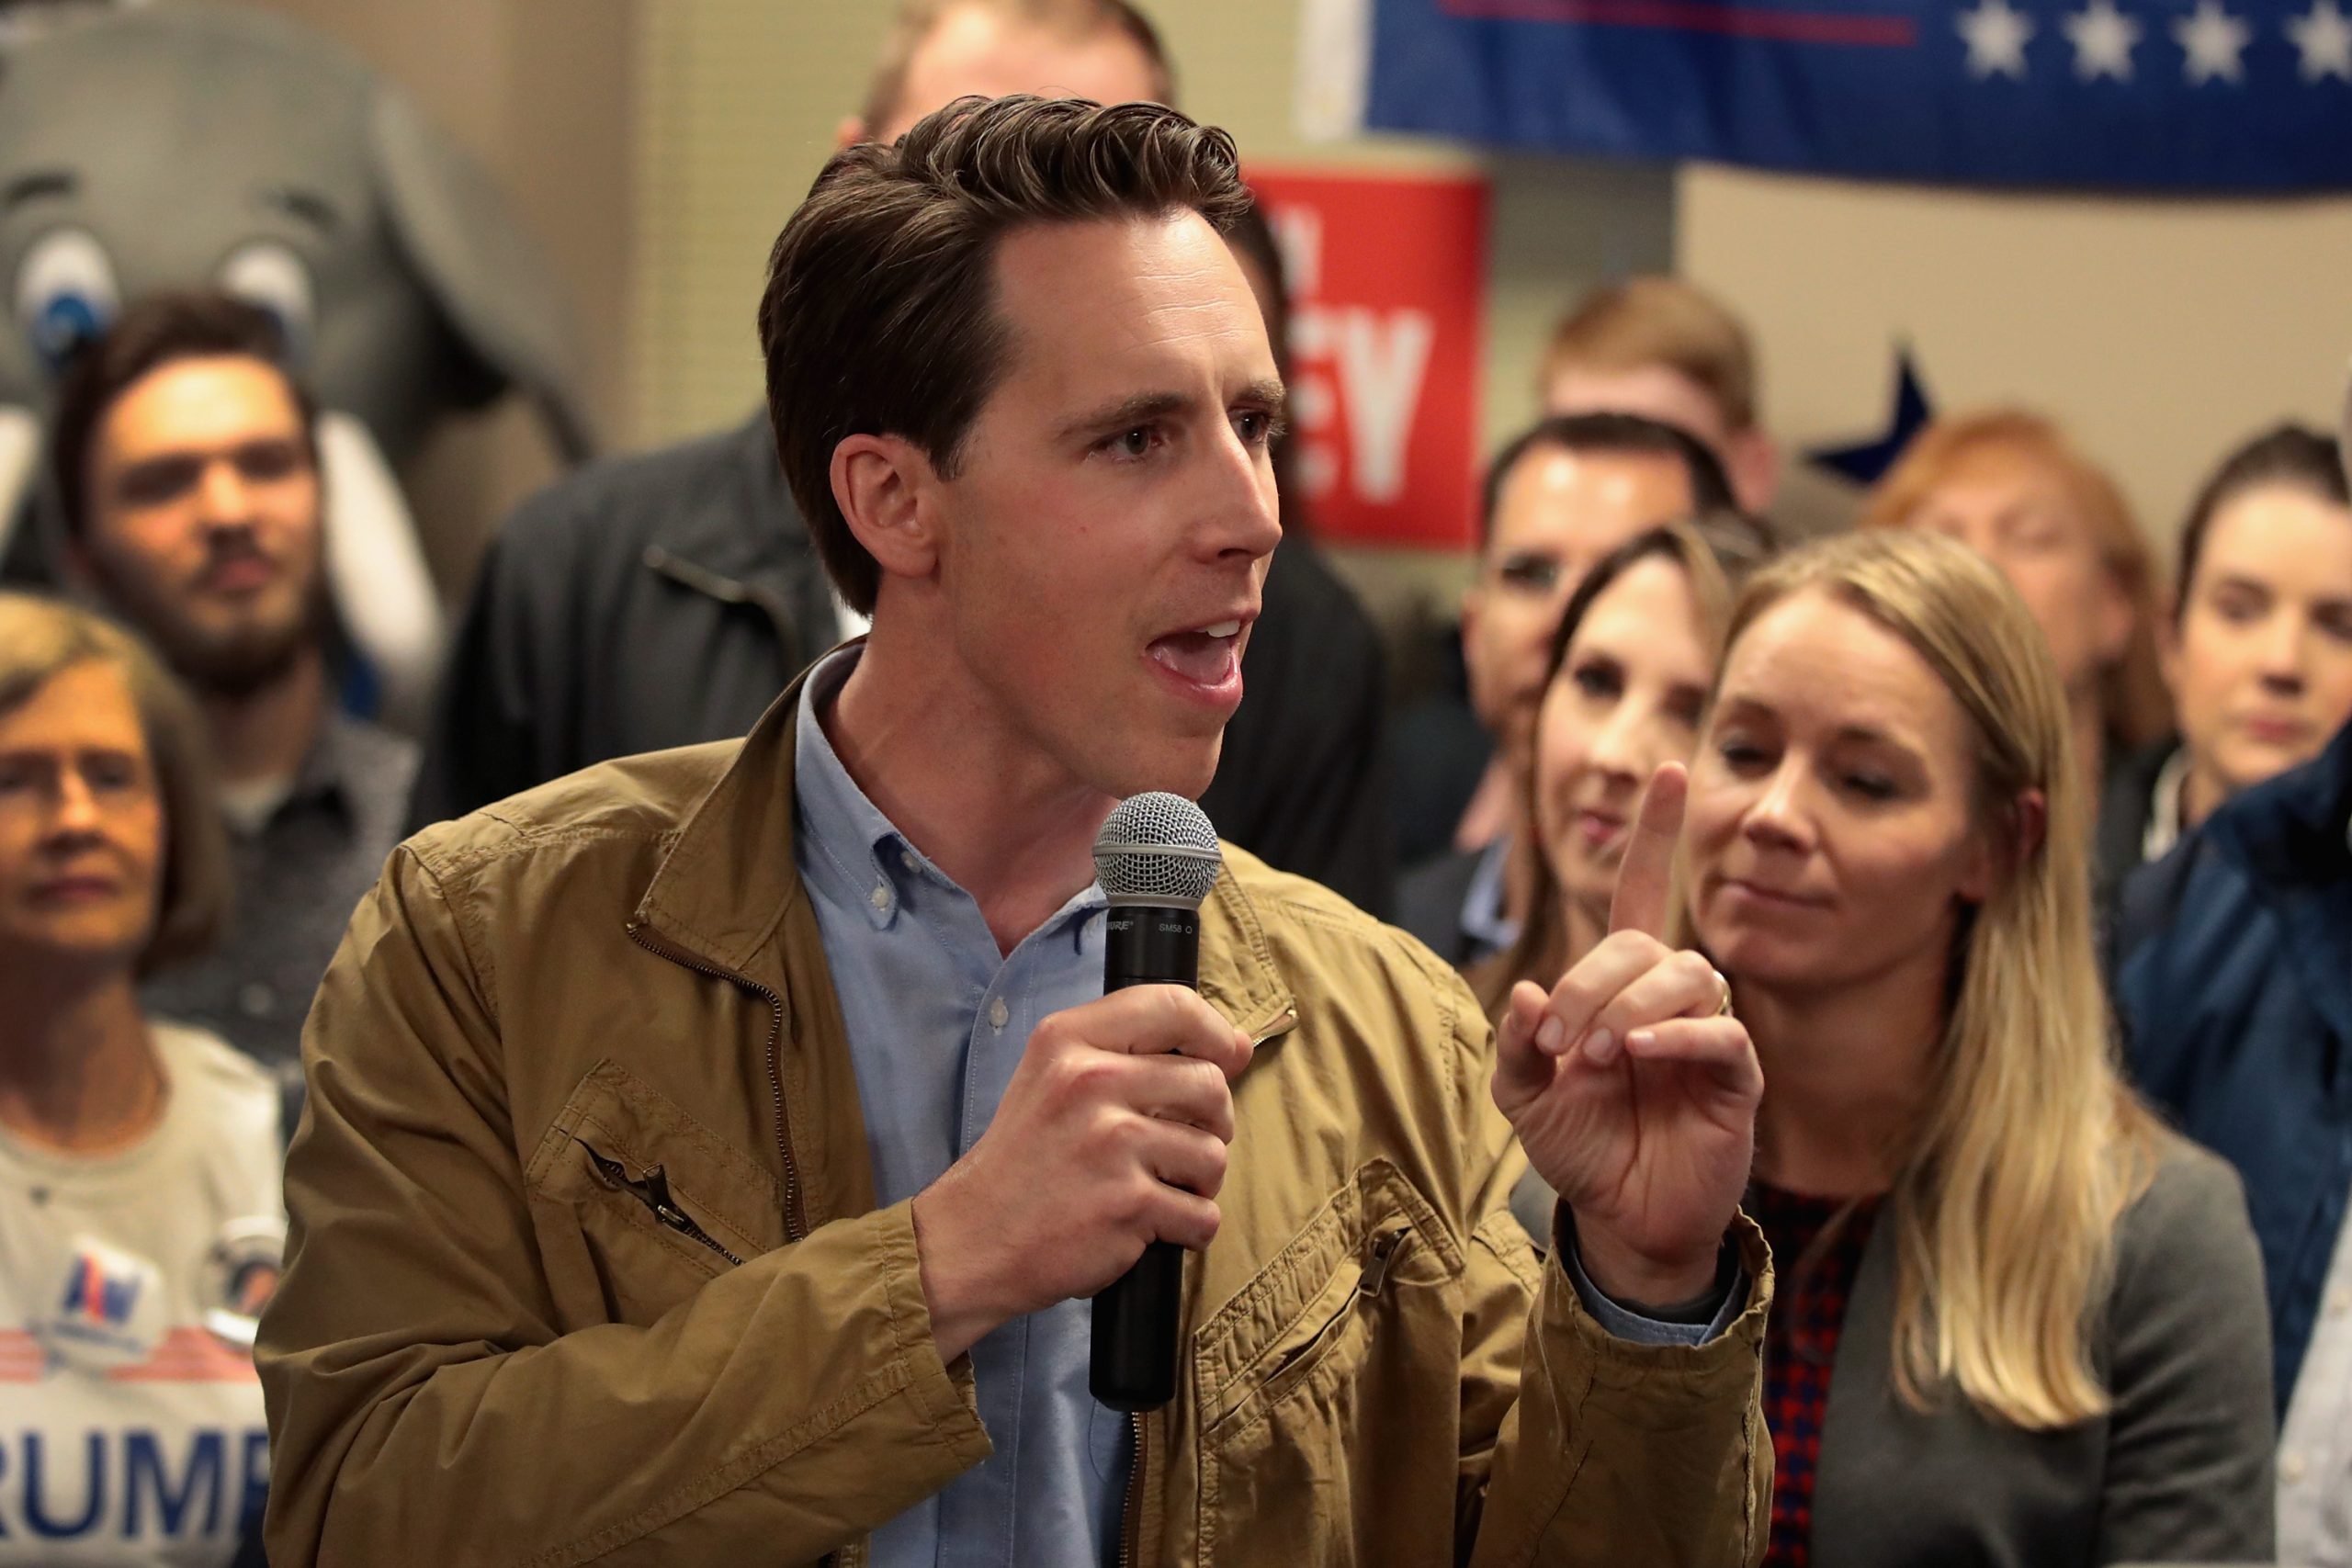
<point x="729" y="883"/>
<point x="2290" y="835"/>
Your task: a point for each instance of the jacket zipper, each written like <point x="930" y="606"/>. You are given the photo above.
<point x="796" y="1224"/>
<point x="652" y="1190"/>
<point x="1131" y="1512"/>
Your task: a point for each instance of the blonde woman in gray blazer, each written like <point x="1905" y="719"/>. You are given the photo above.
<point x="2018" y="1322"/>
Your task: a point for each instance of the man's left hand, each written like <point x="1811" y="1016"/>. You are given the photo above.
<point x="1633" y="1090"/>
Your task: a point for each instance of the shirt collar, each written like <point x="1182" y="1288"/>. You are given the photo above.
<point x="2163" y="808"/>
<point x="853" y="851"/>
<point x="1482" y="905"/>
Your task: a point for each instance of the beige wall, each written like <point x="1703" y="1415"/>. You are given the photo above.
<point x="2162" y="332"/>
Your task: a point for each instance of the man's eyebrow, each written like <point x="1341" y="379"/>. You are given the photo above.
<point x="305" y="205"/>
<point x="1140" y="409"/>
<point x="1268" y="392"/>
<point x="39" y="183"/>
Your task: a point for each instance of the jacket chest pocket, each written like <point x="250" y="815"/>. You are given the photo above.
<point x="1325" y="1383"/>
<point x="637" y="1205"/>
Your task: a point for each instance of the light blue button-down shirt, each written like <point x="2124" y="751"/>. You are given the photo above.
<point x="937" y="1021"/>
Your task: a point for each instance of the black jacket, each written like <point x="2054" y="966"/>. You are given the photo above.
<point x="665" y="598"/>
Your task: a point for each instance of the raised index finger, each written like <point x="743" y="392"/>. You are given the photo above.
<point x="1644" y="877"/>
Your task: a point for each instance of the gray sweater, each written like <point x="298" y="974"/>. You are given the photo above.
<point x="2178" y="1471"/>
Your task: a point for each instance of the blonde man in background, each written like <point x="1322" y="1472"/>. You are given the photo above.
<point x="1666" y="349"/>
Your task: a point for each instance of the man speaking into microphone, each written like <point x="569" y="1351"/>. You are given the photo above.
<point x="709" y="1155"/>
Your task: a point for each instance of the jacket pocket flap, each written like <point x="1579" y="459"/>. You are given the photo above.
<point x="628" y="1122"/>
<point x="1375" y="1231"/>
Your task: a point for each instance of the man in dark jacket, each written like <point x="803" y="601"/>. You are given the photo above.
<point x="664" y="599"/>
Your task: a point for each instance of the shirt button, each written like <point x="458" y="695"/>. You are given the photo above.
<point x="2290" y="1468"/>
<point x="2339" y="1301"/>
<point x="256" y="999"/>
<point x="906" y="859"/>
<point x="880" y="896"/>
<point x="998" y="1014"/>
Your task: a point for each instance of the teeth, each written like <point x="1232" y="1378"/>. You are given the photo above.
<point x="1223" y="628"/>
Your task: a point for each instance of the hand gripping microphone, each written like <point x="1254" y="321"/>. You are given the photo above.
<point x="1157" y="857"/>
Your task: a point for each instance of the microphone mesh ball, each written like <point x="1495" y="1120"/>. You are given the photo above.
<point x="1159" y="849"/>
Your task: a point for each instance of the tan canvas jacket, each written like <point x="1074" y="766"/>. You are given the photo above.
<point x="586" y="1265"/>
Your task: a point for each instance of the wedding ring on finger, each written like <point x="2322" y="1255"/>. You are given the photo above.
<point x="1722" y="1008"/>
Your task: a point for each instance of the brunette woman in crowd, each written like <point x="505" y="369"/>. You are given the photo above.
<point x="2016" y="1321"/>
<point x="1630" y="670"/>
<point x="2258" y="650"/>
<point x="2012" y="485"/>
<point x="141" y="1223"/>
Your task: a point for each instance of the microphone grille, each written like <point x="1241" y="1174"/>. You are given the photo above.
<point x="1157" y="848"/>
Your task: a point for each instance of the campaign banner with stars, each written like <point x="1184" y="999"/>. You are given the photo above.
<point x="2148" y="94"/>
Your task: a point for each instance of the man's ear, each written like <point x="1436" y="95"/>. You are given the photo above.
<point x="888" y="491"/>
<point x="1755" y="464"/>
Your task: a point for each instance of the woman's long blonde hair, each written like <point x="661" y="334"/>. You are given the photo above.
<point x="2030" y="1146"/>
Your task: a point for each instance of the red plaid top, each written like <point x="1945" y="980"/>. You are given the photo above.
<point x="1801" y="1345"/>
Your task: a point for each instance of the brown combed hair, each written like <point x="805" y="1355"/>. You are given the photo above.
<point x="2031" y="1144"/>
<point x="41" y="639"/>
<point x="1653" y="320"/>
<point x="1073" y="19"/>
<point x="879" y="315"/>
<point x="2133" y="700"/>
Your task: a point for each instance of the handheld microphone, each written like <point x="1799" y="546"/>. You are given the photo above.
<point x="1157" y="857"/>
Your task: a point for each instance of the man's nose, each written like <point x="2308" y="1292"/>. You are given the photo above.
<point x="222" y="494"/>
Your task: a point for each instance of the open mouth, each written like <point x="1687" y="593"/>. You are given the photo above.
<point x="1206" y="656"/>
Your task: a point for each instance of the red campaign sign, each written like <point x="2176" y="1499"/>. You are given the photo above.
<point x="1387" y="280"/>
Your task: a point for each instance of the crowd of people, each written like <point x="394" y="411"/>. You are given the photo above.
<point x="2024" y="869"/>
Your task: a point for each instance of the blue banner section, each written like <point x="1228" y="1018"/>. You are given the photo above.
<point x="2180" y="95"/>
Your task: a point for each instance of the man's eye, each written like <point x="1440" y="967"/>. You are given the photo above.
<point x="1257" y="427"/>
<point x="151" y="484"/>
<point x="1136" y="443"/>
<point x="265" y="462"/>
<point x="1529" y="574"/>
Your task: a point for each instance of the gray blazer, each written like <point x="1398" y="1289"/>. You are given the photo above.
<point x="2179" y="1470"/>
